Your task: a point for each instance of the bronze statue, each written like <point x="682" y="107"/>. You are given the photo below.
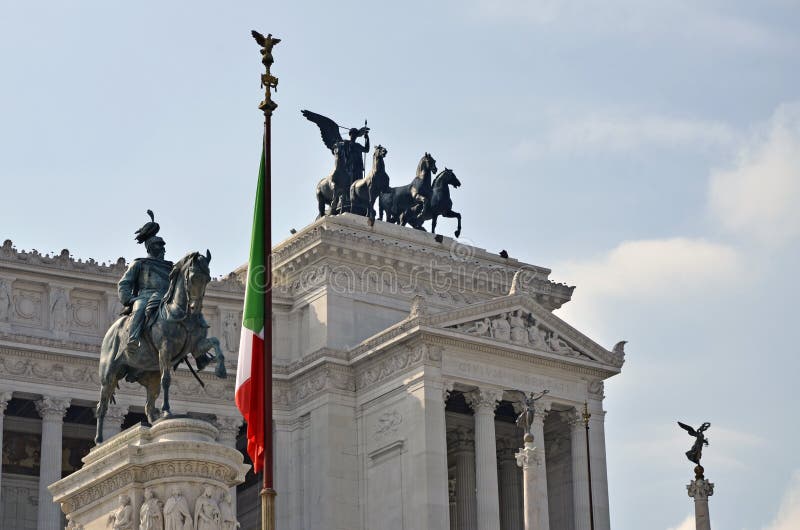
<point x="363" y="192"/>
<point x="403" y="204"/>
<point x="525" y="418"/>
<point x="268" y="81"/>
<point x="349" y="165"/>
<point x="696" y="452"/>
<point x="166" y="315"/>
<point x="440" y="202"/>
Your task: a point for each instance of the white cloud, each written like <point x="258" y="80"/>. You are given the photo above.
<point x="626" y="130"/>
<point x="687" y="524"/>
<point x="651" y="271"/>
<point x="759" y="195"/>
<point x="655" y="269"/>
<point x="788" y="517"/>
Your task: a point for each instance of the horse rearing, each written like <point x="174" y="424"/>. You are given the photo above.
<point x="177" y="330"/>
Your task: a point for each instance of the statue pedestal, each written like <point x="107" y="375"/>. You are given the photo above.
<point x="176" y="466"/>
<point x="700" y="490"/>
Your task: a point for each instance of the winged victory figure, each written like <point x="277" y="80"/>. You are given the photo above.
<point x="348" y="163"/>
<point x="696" y="452"/>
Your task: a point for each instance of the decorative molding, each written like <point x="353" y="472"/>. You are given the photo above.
<point x="395" y="362"/>
<point x="700" y="489"/>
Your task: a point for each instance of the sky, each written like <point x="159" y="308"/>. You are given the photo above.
<point x="646" y="152"/>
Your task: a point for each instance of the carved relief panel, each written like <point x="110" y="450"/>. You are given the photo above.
<point x="29" y="301"/>
<point x="87" y="312"/>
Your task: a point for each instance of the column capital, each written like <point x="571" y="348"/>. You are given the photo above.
<point x="573" y="418"/>
<point x="116" y="413"/>
<point x="700" y="489"/>
<point x="5" y="397"/>
<point x="52" y="408"/>
<point x="484" y="400"/>
<point x="528" y="456"/>
<point x="447" y="389"/>
<point x="228" y="427"/>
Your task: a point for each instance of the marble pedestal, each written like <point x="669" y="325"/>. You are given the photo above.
<point x="700" y="490"/>
<point x="178" y="460"/>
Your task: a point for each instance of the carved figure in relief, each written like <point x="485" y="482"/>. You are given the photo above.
<point x="519" y="334"/>
<point x="206" y="511"/>
<point x="696" y="452"/>
<point x="122" y="518"/>
<point x="150" y="515"/>
<point x="501" y="329"/>
<point x="537" y="337"/>
<point x="230" y="332"/>
<point x="60" y="311"/>
<point x="480" y="327"/>
<point x="176" y="512"/>
<point x="227" y="516"/>
<point x="5" y="300"/>
<point x="559" y="346"/>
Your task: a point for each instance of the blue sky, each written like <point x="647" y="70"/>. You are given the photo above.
<point x="649" y="153"/>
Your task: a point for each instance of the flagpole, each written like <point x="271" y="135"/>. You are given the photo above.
<point x="268" y="82"/>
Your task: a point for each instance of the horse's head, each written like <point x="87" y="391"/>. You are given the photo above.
<point x="380" y="152"/>
<point x="447" y="177"/>
<point x="427" y="164"/>
<point x="197" y="277"/>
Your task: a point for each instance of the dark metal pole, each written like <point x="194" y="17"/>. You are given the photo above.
<point x="267" y="106"/>
<point x="586" y="417"/>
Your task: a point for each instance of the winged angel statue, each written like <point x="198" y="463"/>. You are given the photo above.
<point x="696" y="452"/>
<point x="348" y="163"/>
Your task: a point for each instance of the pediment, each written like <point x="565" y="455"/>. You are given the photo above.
<point x="519" y="320"/>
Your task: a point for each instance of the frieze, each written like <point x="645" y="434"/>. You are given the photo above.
<point x="395" y="362"/>
<point x="518" y="379"/>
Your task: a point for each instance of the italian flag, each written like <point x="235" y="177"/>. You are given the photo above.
<point x="252" y="354"/>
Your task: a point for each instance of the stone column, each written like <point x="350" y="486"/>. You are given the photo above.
<point x="228" y="427"/>
<point x="580" y="475"/>
<point x="700" y="490"/>
<point x="463" y="450"/>
<point x="451" y="495"/>
<point x="52" y="410"/>
<point x="5" y="397"/>
<point x="597" y="452"/>
<point x="510" y="509"/>
<point x="115" y="415"/>
<point x="530" y="460"/>
<point x="483" y="403"/>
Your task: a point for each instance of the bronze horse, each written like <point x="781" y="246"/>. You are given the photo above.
<point x="403" y="204"/>
<point x="332" y="188"/>
<point x="440" y="202"/>
<point x="177" y="330"/>
<point x="363" y="192"/>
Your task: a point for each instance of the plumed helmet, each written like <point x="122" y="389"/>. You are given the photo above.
<point x="149" y="229"/>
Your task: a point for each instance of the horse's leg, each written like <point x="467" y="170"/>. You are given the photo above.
<point x="152" y="383"/>
<point x="204" y="346"/>
<point x="165" y="367"/>
<point x="320" y="203"/>
<point x="451" y="213"/>
<point x="433" y="223"/>
<point x="106" y="394"/>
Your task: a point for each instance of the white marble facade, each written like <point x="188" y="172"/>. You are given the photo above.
<point x="395" y="362"/>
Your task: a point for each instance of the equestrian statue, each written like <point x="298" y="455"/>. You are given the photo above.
<point x="348" y="164"/>
<point x="161" y="326"/>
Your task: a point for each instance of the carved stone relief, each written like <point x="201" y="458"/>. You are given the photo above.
<point x="387" y="424"/>
<point x="230" y="331"/>
<point x="28" y="306"/>
<point x="5" y="300"/>
<point x="59" y="309"/>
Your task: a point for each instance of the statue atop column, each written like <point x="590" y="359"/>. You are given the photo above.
<point x="696" y="452"/>
<point x="525" y="418"/>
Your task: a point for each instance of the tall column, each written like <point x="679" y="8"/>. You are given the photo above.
<point x="700" y="490"/>
<point x="580" y="475"/>
<point x="483" y="403"/>
<point x="510" y="509"/>
<point x="52" y="410"/>
<point x="530" y="460"/>
<point x="5" y="397"/>
<point x="228" y="427"/>
<point x="597" y="453"/>
<point x="463" y="451"/>
<point x="115" y="415"/>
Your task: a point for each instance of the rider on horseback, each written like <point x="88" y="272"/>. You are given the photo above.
<point x="145" y="282"/>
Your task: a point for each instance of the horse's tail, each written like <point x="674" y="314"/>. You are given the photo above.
<point x="109" y="350"/>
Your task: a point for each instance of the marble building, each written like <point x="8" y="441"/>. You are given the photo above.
<point x="398" y="362"/>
